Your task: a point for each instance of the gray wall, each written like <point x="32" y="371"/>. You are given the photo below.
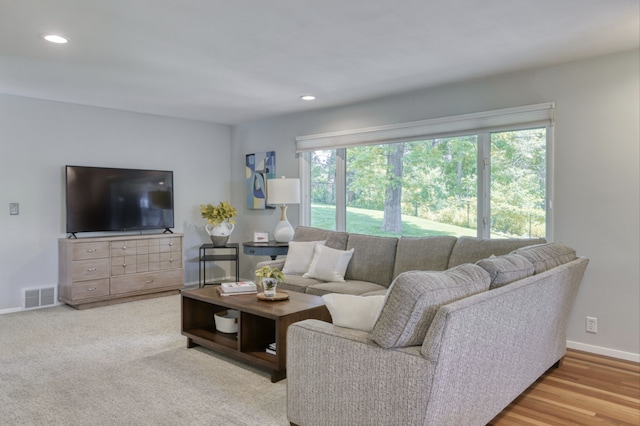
<point x="596" y="182"/>
<point x="38" y="138"/>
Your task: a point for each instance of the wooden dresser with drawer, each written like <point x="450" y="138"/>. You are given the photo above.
<point x="105" y="270"/>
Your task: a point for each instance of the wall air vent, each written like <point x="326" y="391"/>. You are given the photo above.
<point x="39" y="297"/>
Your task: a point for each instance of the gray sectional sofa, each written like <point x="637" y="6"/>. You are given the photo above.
<point x="377" y="261"/>
<point x="465" y="327"/>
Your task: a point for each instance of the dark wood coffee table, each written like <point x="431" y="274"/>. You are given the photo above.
<point x="260" y="323"/>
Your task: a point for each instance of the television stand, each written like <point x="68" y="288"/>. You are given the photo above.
<point x="98" y="271"/>
<point x="167" y="230"/>
<point x="72" y="236"/>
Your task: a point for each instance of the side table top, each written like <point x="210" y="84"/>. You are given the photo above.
<point x="211" y="246"/>
<point x="272" y="249"/>
<point x="268" y="244"/>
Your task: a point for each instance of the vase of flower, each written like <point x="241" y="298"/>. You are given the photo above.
<point x="269" y="286"/>
<point x="220" y="233"/>
<point x="268" y="278"/>
<point x="220" y="222"/>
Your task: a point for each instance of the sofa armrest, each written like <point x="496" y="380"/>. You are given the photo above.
<point x="500" y="341"/>
<point x="339" y="376"/>
<point x="278" y="263"/>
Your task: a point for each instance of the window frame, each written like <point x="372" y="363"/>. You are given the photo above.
<point x="511" y="119"/>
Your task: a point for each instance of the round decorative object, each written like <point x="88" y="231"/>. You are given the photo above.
<point x="220" y="233"/>
<point x="269" y="286"/>
<point x="227" y="321"/>
<point x="281" y="295"/>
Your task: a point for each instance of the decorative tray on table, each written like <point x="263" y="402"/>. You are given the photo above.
<point x="281" y="295"/>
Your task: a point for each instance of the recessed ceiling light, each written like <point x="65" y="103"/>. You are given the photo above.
<point x="53" y="38"/>
<point x="307" y="97"/>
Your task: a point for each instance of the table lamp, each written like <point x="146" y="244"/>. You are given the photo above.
<point x="283" y="191"/>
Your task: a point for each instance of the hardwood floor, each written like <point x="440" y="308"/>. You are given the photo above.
<point x="585" y="390"/>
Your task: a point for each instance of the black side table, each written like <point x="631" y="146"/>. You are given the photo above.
<point x="230" y="253"/>
<point x="271" y="249"/>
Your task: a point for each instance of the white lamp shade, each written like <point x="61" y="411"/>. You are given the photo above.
<point x="283" y="191"/>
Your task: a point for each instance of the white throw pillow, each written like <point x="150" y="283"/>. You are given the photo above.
<point x="329" y="264"/>
<point x="357" y="312"/>
<point x="299" y="256"/>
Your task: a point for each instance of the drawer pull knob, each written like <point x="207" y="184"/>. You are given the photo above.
<point x="148" y="281"/>
<point x="92" y="250"/>
<point x="92" y="269"/>
<point x="124" y="247"/>
<point x="124" y="265"/>
<point x="91" y="289"/>
<point x="170" y="244"/>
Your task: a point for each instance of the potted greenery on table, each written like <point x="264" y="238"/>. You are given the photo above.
<point x="268" y="278"/>
<point x="220" y="221"/>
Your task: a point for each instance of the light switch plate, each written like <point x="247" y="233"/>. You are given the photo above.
<point x="14" y="208"/>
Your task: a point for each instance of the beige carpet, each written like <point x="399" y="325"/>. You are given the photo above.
<point x="125" y="364"/>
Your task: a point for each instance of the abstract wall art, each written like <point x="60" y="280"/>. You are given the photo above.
<point x="259" y="167"/>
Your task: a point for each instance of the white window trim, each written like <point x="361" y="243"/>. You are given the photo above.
<point x="304" y="171"/>
<point x="550" y="178"/>
<point x="538" y="115"/>
<point x="484" y="184"/>
<point x="480" y="124"/>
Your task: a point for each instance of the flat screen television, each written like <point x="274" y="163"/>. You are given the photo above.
<point x="108" y="199"/>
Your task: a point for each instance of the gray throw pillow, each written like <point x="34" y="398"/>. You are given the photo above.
<point x="506" y="269"/>
<point x="414" y="298"/>
<point x="547" y="256"/>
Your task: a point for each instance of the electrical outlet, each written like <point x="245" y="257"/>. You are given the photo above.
<point x="592" y="325"/>
<point x="14" y="208"/>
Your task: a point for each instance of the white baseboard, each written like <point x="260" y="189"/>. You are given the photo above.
<point x="10" y="310"/>
<point x="20" y="308"/>
<point x="628" y="356"/>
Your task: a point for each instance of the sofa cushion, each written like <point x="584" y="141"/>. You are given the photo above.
<point x="547" y="256"/>
<point x="329" y="264"/>
<point x="351" y="311"/>
<point x="414" y="298"/>
<point x="348" y="287"/>
<point x="333" y="239"/>
<point x="376" y="293"/>
<point x="423" y="254"/>
<point x="299" y="256"/>
<point x="506" y="269"/>
<point x="470" y="250"/>
<point x="373" y="258"/>
<point x="297" y="283"/>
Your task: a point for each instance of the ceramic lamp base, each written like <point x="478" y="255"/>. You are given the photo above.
<point x="283" y="233"/>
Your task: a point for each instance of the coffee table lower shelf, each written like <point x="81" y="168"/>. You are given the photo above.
<point x="259" y="324"/>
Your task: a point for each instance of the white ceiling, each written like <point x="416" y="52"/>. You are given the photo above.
<point x="238" y="60"/>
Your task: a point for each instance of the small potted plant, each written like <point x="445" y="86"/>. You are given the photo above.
<point x="220" y="221"/>
<point x="268" y="278"/>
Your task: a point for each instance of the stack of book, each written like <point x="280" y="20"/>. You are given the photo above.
<point x="241" y="287"/>
<point x="271" y="349"/>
